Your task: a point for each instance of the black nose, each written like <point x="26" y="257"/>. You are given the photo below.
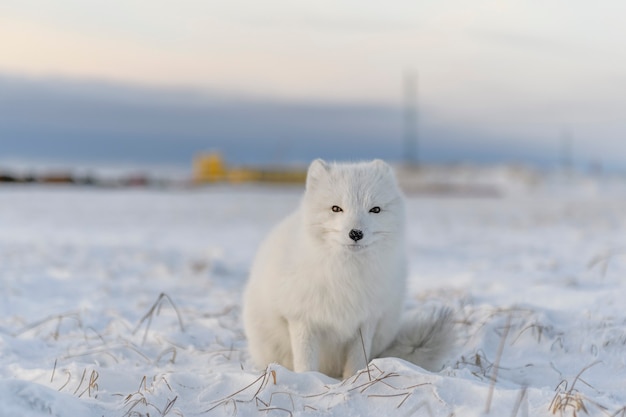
<point x="355" y="235"/>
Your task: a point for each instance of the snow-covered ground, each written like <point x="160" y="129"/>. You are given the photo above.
<point x="127" y="302"/>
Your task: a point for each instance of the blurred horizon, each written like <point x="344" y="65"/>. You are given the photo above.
<point x="155" y="83"/>
<point x="65" y="121"/>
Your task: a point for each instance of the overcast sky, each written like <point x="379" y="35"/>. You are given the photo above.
<point x="496" y="79"/>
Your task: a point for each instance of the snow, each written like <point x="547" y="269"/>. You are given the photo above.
<point x="126" y="302"/>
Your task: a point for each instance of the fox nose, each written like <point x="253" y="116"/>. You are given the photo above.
<point x="355" y="235"/>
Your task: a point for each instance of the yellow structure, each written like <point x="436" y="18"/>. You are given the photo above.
<point x="211" y="168"/>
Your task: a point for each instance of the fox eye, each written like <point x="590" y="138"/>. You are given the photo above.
<point x="336" y="209"/>
<point x="375" y="209"/>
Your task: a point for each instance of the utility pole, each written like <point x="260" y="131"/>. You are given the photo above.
<point x="410" y="119"/>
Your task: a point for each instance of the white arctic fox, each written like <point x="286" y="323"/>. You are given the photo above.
<point x="327" y="286"/>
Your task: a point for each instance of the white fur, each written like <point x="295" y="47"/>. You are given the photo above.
<point x="317" y="300"/>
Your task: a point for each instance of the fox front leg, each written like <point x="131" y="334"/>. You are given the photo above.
<point x="359" y="351"/>
<point x="304" y="347"/>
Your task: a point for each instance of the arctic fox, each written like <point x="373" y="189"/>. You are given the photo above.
<point x="326" y="289"/>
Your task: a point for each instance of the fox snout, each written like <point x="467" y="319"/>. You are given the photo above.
<point x="355" y="234"/>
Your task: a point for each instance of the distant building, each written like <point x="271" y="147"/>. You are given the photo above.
<point x="210" y="168"/>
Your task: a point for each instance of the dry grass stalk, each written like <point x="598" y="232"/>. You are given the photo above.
<point x="370" y="383"/>
<point x="54" y="368"/>
<point x="139" y="398"/>
<point x="603" y="260"/>
<point x="156" y="308"/>
<point x="520" y="399"/>
<point x="367" y="361"/>
<point x="404" y="395"/>
<point x="276" y="408"/>
<point x="537" y="330"/>
<point x="619" y="413"/>
<point x="252" y="391"/>
<point x="170" y="350"/>
<point x="262" y="380"/>
<point x="68" y="374"/>
<point x="496" y="364"/>
<point x="568" y="398"/>
<point x="59" y="318"/>
<point x="92" y="385"/>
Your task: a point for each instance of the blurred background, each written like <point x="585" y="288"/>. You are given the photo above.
<point x="154" y="85"/>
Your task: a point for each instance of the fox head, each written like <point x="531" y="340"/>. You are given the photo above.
<point x="354" y="206"/>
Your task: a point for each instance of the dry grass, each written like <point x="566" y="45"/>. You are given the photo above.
<point x="155" y="310"/>
<point x="496" y="365"/>
<point x="141" y="399"/>
<point x="602" y="261"/>
<point x="259" y="393"/>
<point x="412" y="393"/>
<point x="522" y="398"/>
<point x="569" y="399"/>
<point x="233" y="399"/>
<point x="56" y="319"/>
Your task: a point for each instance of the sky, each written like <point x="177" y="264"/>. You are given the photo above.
<point x="281" y="81"/>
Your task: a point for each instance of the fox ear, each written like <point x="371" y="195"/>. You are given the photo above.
<point x="381" y="165"/>
<point x="317" y="170"/>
